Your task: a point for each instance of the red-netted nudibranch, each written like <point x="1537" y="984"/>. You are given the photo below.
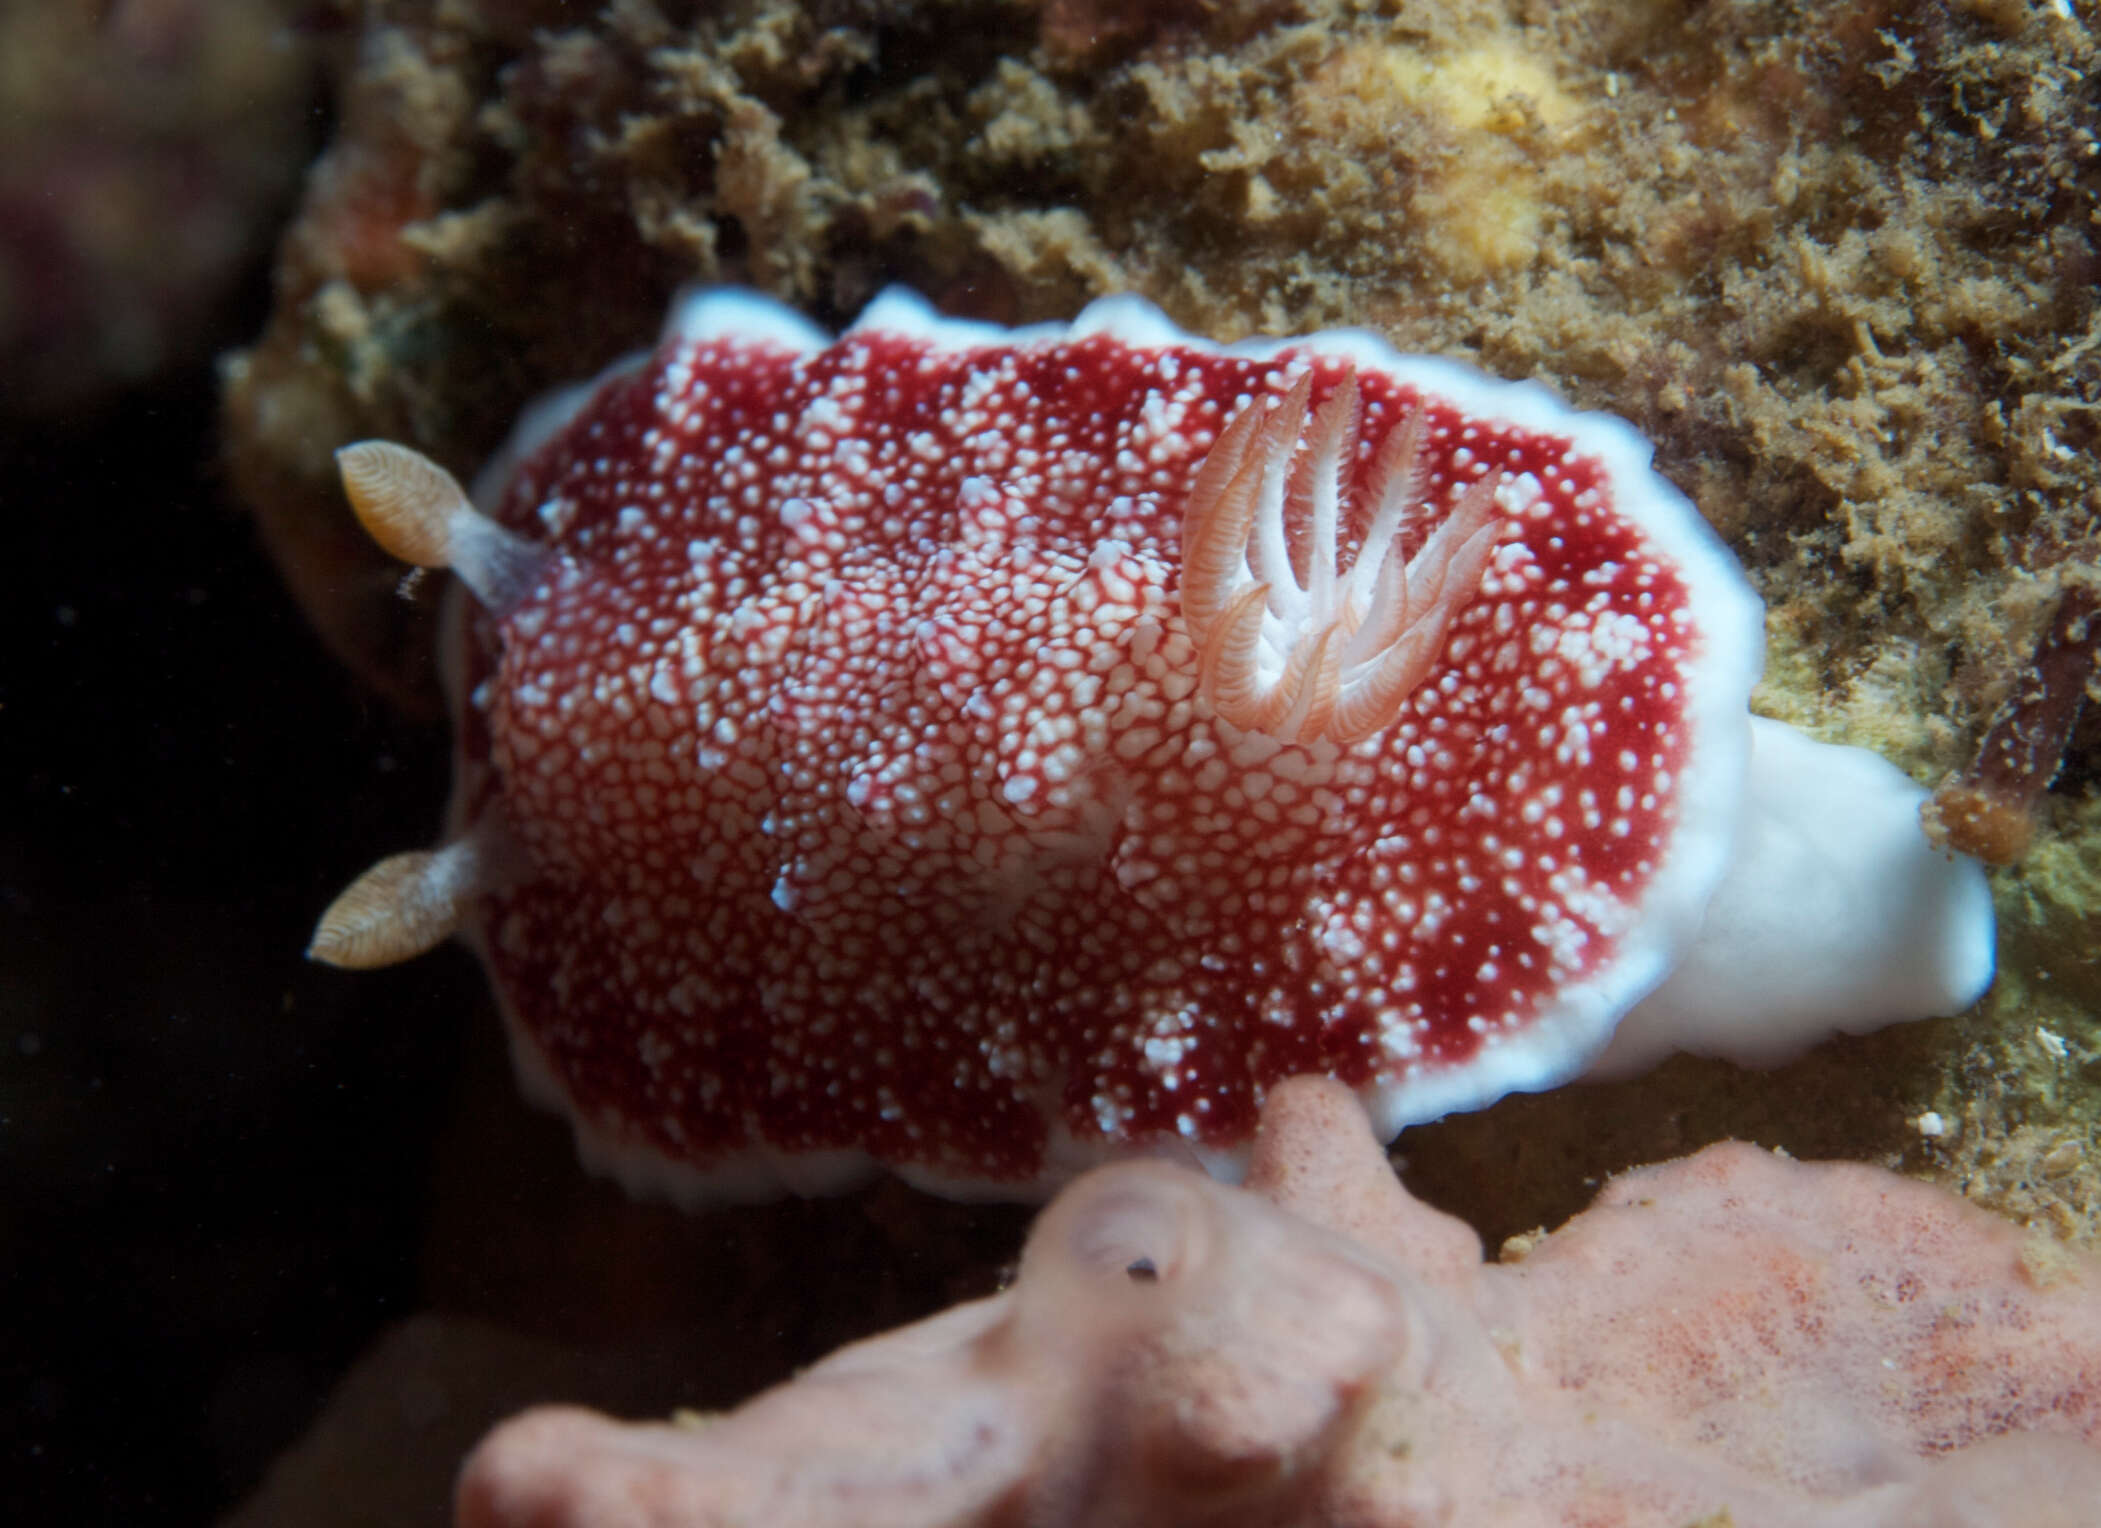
<point x="972" y="751"/>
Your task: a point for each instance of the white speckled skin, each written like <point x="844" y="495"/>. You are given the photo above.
<point x="1709" y="830"/>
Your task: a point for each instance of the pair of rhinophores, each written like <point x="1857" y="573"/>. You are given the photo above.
<point x="973" y="751"/>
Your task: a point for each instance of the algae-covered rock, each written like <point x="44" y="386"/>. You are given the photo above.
<point x="1838" y="261"/>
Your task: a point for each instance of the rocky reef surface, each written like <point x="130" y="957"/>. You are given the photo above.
<point x="1838" y="263"/>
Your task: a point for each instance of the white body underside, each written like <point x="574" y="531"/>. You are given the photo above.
<point x="1835" y="915"/>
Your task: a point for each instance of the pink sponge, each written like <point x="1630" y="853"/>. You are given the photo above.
<point x="1734" y="1338"/>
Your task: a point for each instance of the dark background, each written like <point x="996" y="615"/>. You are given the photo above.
<point x="211" y="1152"/>
<point x="227" y="1174"/>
